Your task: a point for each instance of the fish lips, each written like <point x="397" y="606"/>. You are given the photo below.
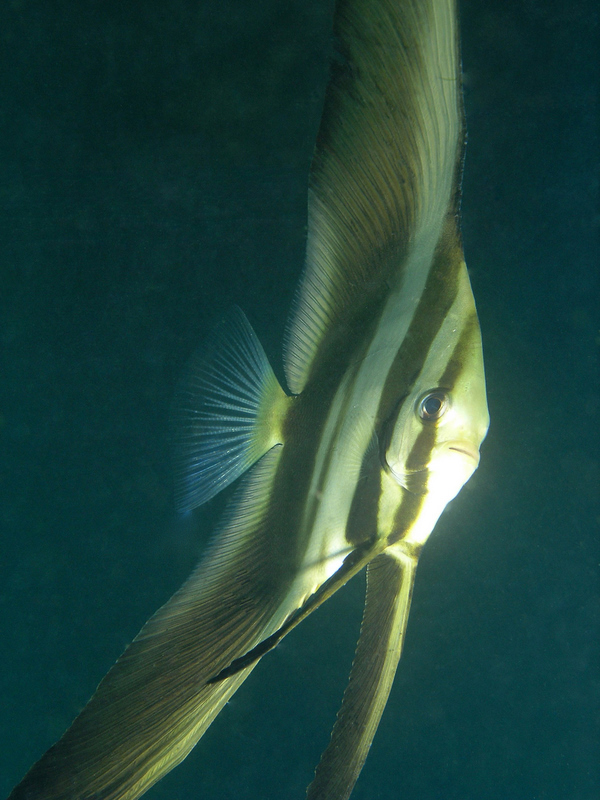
<point x="451" y="466"/>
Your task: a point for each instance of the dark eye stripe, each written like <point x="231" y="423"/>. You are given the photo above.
<point x="457" y="359"/>
<point x="420" y="454"/>
<point x="435" y="302"/>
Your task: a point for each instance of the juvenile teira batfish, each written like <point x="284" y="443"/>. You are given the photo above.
<point x="352" y="463"/>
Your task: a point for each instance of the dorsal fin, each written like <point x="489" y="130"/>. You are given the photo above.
<point x="227" y="412"/>
<point x="387" y="164"/>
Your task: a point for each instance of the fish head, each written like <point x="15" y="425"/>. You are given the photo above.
<point x="433" y="446"/>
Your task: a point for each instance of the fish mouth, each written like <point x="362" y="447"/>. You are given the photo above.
<point x="465" y="450"/>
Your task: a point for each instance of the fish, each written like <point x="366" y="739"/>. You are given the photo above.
<point x="351" y="465"/>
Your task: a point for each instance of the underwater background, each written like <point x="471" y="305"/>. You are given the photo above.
<point x="153" y="171"/>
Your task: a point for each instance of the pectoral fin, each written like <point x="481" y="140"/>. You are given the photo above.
<point x="389" y="589"/>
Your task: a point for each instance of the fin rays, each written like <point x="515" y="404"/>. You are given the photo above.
<point x="385" y="169"/>
<point x="228" y="412"/>
<point x="389" y="590"/>
<point x="154" y="704"/>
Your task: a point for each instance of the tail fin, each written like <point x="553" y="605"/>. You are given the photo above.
<point x="228" y="412"/>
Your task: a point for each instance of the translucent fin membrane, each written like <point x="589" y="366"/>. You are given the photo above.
<point x="227" y="413"/>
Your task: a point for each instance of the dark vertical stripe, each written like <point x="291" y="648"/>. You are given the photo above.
<point x="420" y="454"/>
<point x="405" y="517"/>
<point x="457" y="359"/>
<point x="362" y="519"/>
<point x="438" y="296"/>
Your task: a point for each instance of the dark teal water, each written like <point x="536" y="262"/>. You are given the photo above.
<point x="153" y="172"/>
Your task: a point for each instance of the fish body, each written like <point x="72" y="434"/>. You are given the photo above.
<point x="352" y="464"/>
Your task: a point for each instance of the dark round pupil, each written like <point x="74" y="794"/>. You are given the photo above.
<point x="432" y="405"/>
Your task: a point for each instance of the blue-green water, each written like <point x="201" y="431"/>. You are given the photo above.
<point x="153" y="172"/>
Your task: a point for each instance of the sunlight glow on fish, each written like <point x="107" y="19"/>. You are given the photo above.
<point x="352" y="465"/>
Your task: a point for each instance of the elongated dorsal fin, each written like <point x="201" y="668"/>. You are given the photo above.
<point x="227" y="413"/>
<point x="387" y="164"/>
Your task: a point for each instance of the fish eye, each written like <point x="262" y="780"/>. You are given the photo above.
<point x="433" y="405"/>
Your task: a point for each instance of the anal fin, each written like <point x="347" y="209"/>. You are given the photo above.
<point x="154" y="704"/>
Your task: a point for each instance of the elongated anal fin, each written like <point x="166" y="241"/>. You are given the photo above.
<point x="228" y="412"/>
<point x="389" y="589"/>
<point x="154" y="704"/>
